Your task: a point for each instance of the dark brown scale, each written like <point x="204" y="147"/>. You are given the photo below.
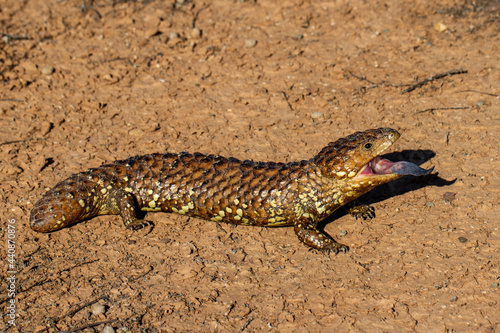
<point x="221" y="189"/>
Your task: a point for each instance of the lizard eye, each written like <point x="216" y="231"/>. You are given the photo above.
<point x="368" y="146"/>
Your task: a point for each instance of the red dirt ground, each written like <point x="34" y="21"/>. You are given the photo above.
<point x="84" y="83"/>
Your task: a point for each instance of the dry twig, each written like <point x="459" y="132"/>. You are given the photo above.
<point x="450" y="108"/>
<point x="72" y="313"/>
<point x="433" y="78"/>
<point x="287" y="102"/>
<point x="479" y="92"/>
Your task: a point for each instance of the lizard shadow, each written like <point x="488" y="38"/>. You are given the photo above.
<point x="397" y="187"/>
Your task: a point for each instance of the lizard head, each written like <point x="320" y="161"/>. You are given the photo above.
<point x="356" y="158"/>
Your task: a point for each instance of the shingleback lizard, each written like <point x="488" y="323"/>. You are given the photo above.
<point x="216" y="188"/>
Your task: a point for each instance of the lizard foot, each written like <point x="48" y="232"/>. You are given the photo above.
<point x="363" y="211"/>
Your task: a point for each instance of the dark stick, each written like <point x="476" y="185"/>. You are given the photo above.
<point x="286" y="99"/>
<point x="19" y="141"/>
<point x="193" y="24"/>
<point x="433" y="78"/>
<point x="142" y="275"/>
<point x="78" y="308"/>
<point x="7" y="38"/>
<point x="362" y="78"/>
<point x="479" y="92"/>
<point x="452" y="108"/>
<point x="72" y="313"/>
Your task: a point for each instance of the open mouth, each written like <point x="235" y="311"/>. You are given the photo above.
<point x="380" y="166"/>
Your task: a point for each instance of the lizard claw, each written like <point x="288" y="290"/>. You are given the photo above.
<point x="139" y="224"/>
<point x="363" y="211"/>
<point x="335" y="248"/>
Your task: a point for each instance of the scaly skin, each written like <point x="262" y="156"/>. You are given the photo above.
<point x="223" y="189"/>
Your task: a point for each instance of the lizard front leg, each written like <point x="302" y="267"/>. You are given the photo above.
<point x="123" y="203"/>
<point x="308" y="233"/>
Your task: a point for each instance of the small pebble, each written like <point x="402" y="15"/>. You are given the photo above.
<point x="449" y="196"/>
<point x="110" y="78"/>
<point x="342" y="233"/>
<point x="429" y="204"/>
<point x="462" y="240"/>
<point x="98" y="309"/>
<point x="108" y="329"/>
<point x="440" y="27"/>
<point x="453" y="299"/>
<point x="6" y="38"/>
<point x="47" y="70"/>
<point x="165" y="240"/>
<point x="316" y="115"/>
<point x="174" y="35"/>
<point x="494" y="285"/>
<point x="196" y="33"/>
<point x="250" y="42"/>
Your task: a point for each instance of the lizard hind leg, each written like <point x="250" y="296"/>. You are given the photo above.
<point x="309" y="234"/>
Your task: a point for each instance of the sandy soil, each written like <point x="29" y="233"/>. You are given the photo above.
<point x="92" y="82"/>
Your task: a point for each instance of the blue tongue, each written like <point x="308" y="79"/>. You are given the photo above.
<point x="407" y="168"/>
